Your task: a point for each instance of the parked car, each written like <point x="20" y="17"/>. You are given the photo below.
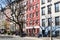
<point x="17" y="32"/>
<point x="2" y="31"/>
<point x="54" y="33"/>
<point x="39" y="35"/>
<point x="12" y="32"/>
<point x="24" y="34"/>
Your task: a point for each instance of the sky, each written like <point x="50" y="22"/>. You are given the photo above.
<point x="3" y="3"/>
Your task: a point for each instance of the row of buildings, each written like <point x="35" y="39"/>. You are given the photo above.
<point x="40" y="14"/>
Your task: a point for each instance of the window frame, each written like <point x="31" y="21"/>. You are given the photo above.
<point x="49" y="0"/>
<point x="56" y="23"/>
<point x="27" y="16"/>
<point x="49" y="8"/>
<point x="36" y="21"/>
<point x="43" y="22"/>
<point x="57" y="7"/>
<point x="43" y="10"/>
<point x="37" y="12"/>
<point x="42" y="1"/>
<point x="30" y="15"/>
<point x="37" y="5"/>
<point x="49" y="21"/>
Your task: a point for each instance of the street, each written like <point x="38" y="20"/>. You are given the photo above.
<point x="13" y="37"/>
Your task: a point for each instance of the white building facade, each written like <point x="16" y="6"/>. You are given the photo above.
<point x="50" y="13"/>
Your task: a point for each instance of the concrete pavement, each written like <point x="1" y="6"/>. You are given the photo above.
<point x="8" y="36"/>
<point x="14" y="37"/>
<point x="41" y="38"/>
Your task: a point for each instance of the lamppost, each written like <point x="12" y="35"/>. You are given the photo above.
<point x="51" y="28"/>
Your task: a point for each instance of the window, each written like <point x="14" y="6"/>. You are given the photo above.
<point x="43" y="1"/>
<point x="37" y="5"/>
<point x="56" y="21"/>
<point x="43" y="10"/>
<point x="43" y="22"/>
<point x="36" y="21"/>
<point x="57" y="7"/>
<point x="33" y="22"/>
<point x="49" y="9"/>
<point x="31" y="1"/>
<point x="27" y="3"/>
<point x="49" y="21"/>
<point x="31" y="15"/>
<point x="32" y="7"/>
<point x="27" y="24"/>
<point x="37" y="13"/>
<point x="49" y="0"/>
<point x="29" y="8"/>
<point x="27" y="16"/>
<point x="30" y="22"/>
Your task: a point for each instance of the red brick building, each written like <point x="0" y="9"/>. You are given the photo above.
<point x="33" y="17"/>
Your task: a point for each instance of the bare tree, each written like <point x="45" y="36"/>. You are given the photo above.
<point x="17" y="14"/>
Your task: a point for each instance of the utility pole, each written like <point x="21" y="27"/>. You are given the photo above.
<point x="51" y="25"/>
<point x="51" y="29"/>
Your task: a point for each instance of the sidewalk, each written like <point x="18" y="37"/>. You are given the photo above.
<point x="29" y="38"/>
<point x="7" y="36"/>
<point x="41" y="38"/>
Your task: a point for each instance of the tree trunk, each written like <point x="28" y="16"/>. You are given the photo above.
<point x="20" y="30"/>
